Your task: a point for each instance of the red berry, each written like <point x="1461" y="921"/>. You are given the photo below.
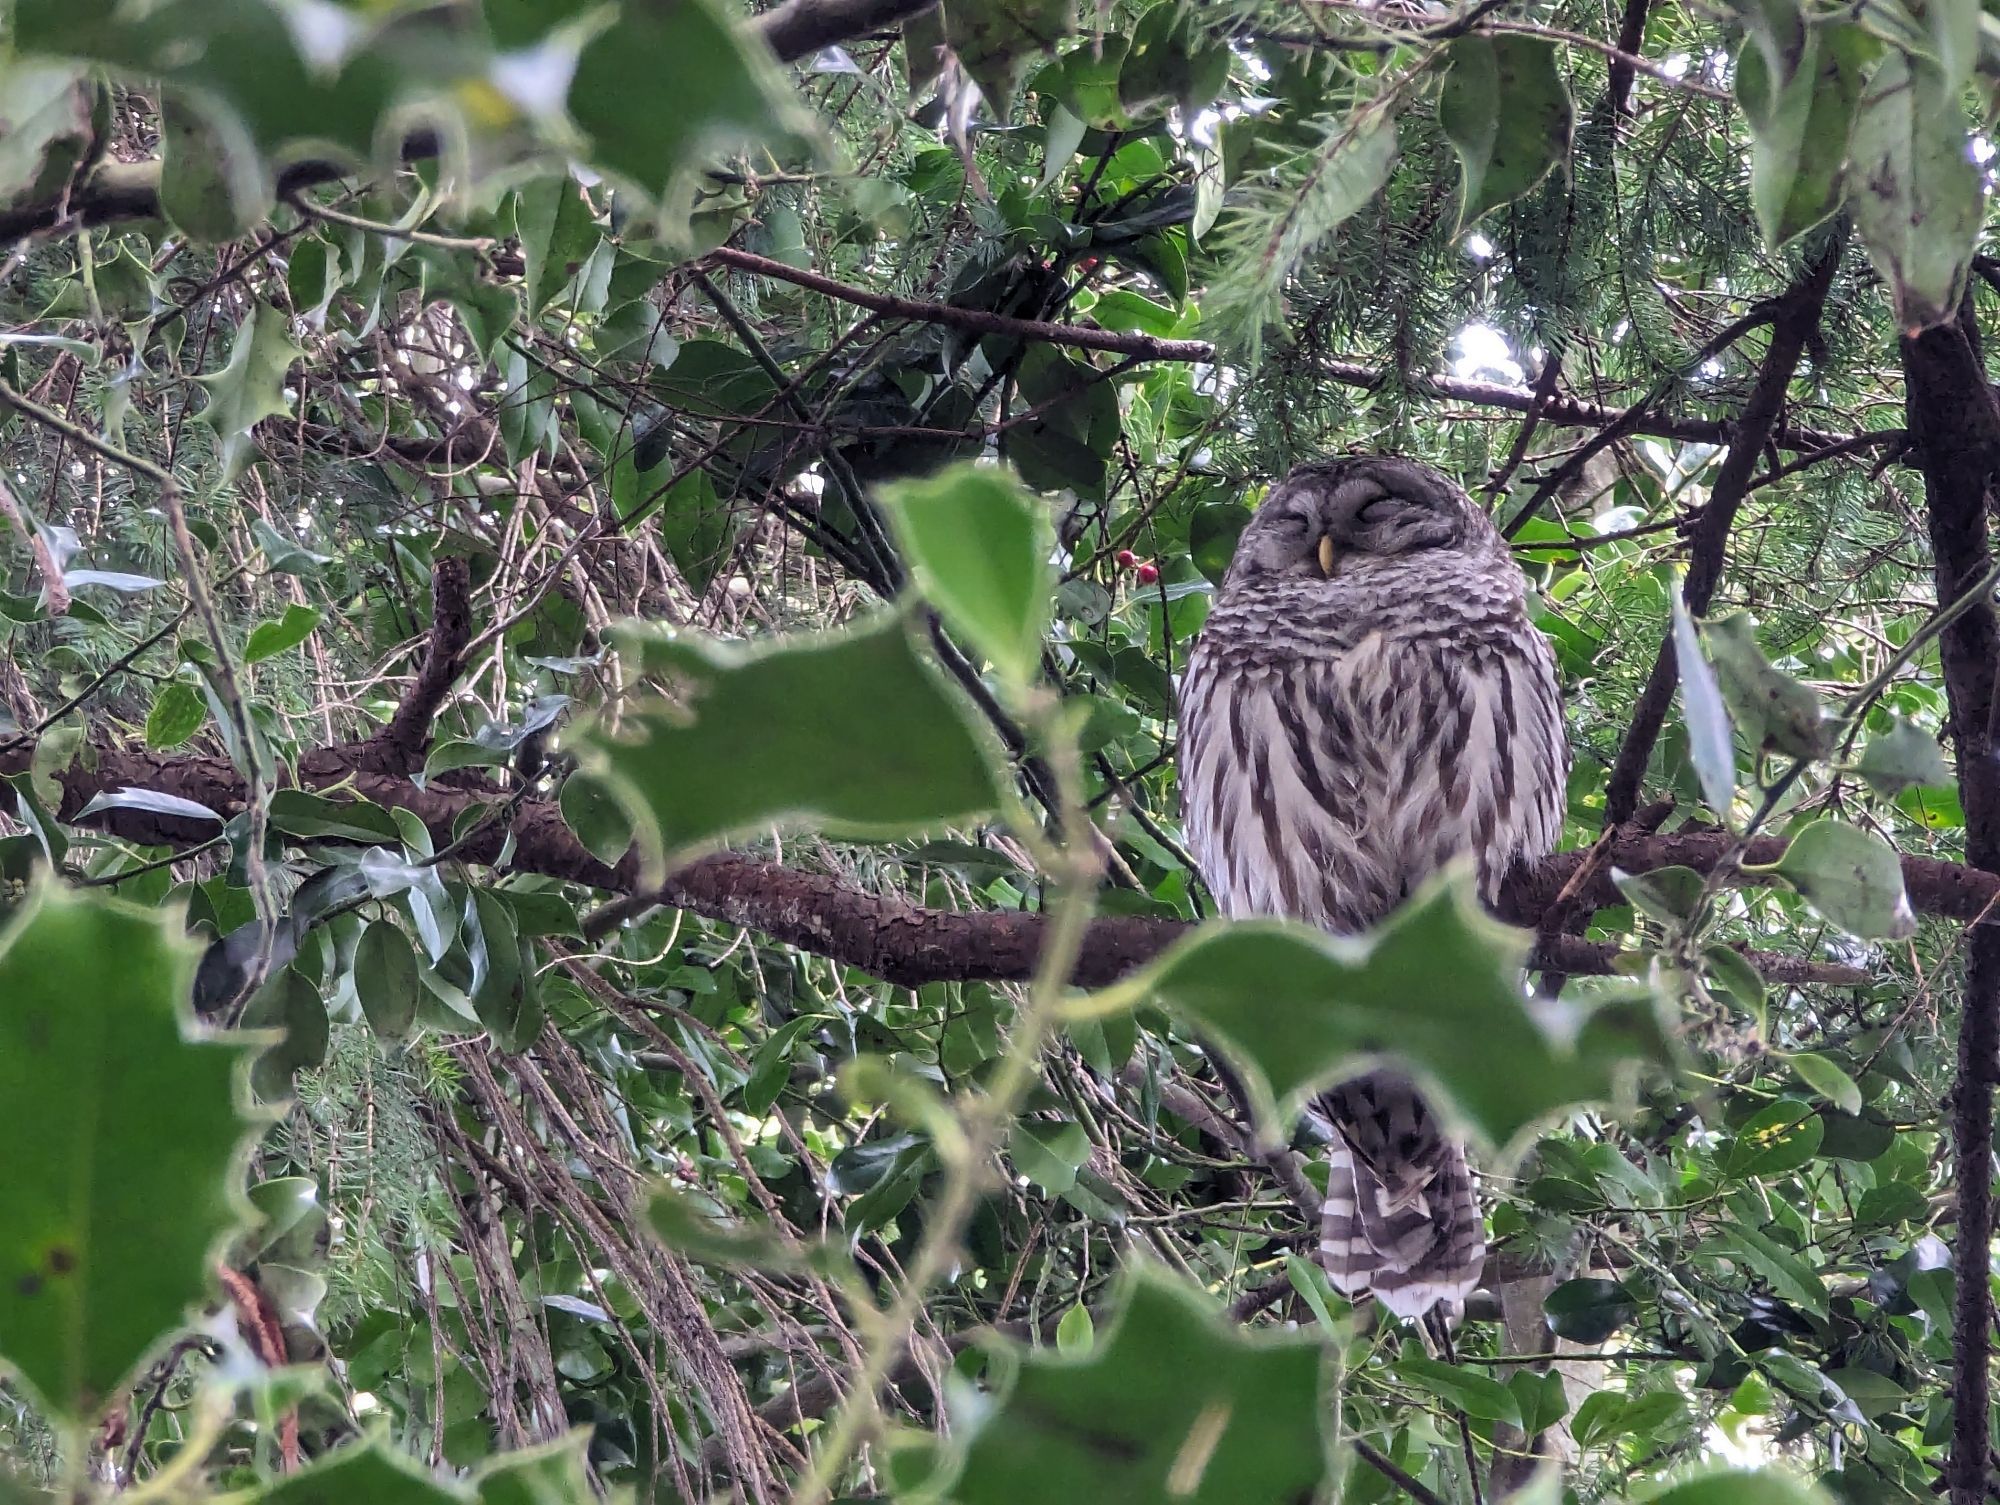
<point x="1127" y="559"/>
<point x="1147" y="574"/>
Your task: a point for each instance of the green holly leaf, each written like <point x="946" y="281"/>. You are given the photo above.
<point x="849" y="731"/>
<point x="1507" y="112"/>
<point x="251" y="387"/>
<point x="124" y="1136"/>
<point x="663" y="84"/>
<point x="1176" y="1405"/>
<point x="978" y="546"/>
<point x="1436" y="989"/>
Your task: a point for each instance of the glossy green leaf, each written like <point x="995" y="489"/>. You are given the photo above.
<point x="291" y="1008"/>
<point x="1589" y="1309"/>
<point x="1175" y="1405"/>
<point x="1540" y="1398"/>
<point x="1049" y="1154"/>
<point x="1507" y="112"/>
<point x="1851" y="876"/>
<point x="1786" y="1273"/>
<point x="299" y="812"/>
<point x="1672" y="895"/>
<point x="1827" y="1079"/>
<point x="849" y="731"/>
<point x="1777" y="1139"/>
<point x="1436" y="988"/>
<point x="978" y="547"/>
<point x="177" y="714"/>
<point x="557" y="231"/>
<point x="124" y="1138"/>
<point x="1076" y="1333"/>
<point x="385" y="979"/>
<point x="269" y="639"/>
<point x="1462" y="1387"/>
<point x="1917" y="201"/>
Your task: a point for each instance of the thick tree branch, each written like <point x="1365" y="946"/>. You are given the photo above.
<point x="1955" y="432"/>
<point x="884" y="935"/>
<point x="802" y="28"/>
<point x="401" y="745"/>
<point x="1793" y="324"/>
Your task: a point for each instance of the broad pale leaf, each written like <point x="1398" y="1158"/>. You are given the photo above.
<point x="1507" y="112"/>
<point x="552" y="1474"/>
<point x="1915" y="191"/>
<point x="1175" y="1405"/>
<point x="124" y="1136"/>
<point x="1902" y="757"/>
<point x="45" y="127"/>
<point x="1769" y="707"/>
<point x="847" y="731"/>
<point x="1437" y="990"/>
<point x="1709" y="745"/>
<point x="1800" y="125"/>
<point x="1853" y="878"/>
<point x="979" y="548"/>
<point x="213" y="184"/>
<point x="269" y="639"/>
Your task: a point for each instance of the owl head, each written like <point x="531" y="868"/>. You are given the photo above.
<point x="1331" y="515"/>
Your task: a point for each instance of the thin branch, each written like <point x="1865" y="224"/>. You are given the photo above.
<point x="55" y="594"/>
<point x="973" y="320"/>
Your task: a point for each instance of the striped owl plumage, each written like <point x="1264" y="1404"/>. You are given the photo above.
<point x="1368" y="701"/>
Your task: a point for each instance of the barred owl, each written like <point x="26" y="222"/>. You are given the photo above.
<point x="1367" y="702"/>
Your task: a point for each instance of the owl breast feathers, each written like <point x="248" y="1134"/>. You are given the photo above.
<point x="1368" y="701"/>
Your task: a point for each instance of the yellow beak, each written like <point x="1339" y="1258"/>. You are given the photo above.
<point x="1326" y="554"/>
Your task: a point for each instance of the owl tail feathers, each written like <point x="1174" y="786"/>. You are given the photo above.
<point x="1413" y="1242"/>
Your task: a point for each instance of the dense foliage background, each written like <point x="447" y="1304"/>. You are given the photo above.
<point x="593" y="896"/>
